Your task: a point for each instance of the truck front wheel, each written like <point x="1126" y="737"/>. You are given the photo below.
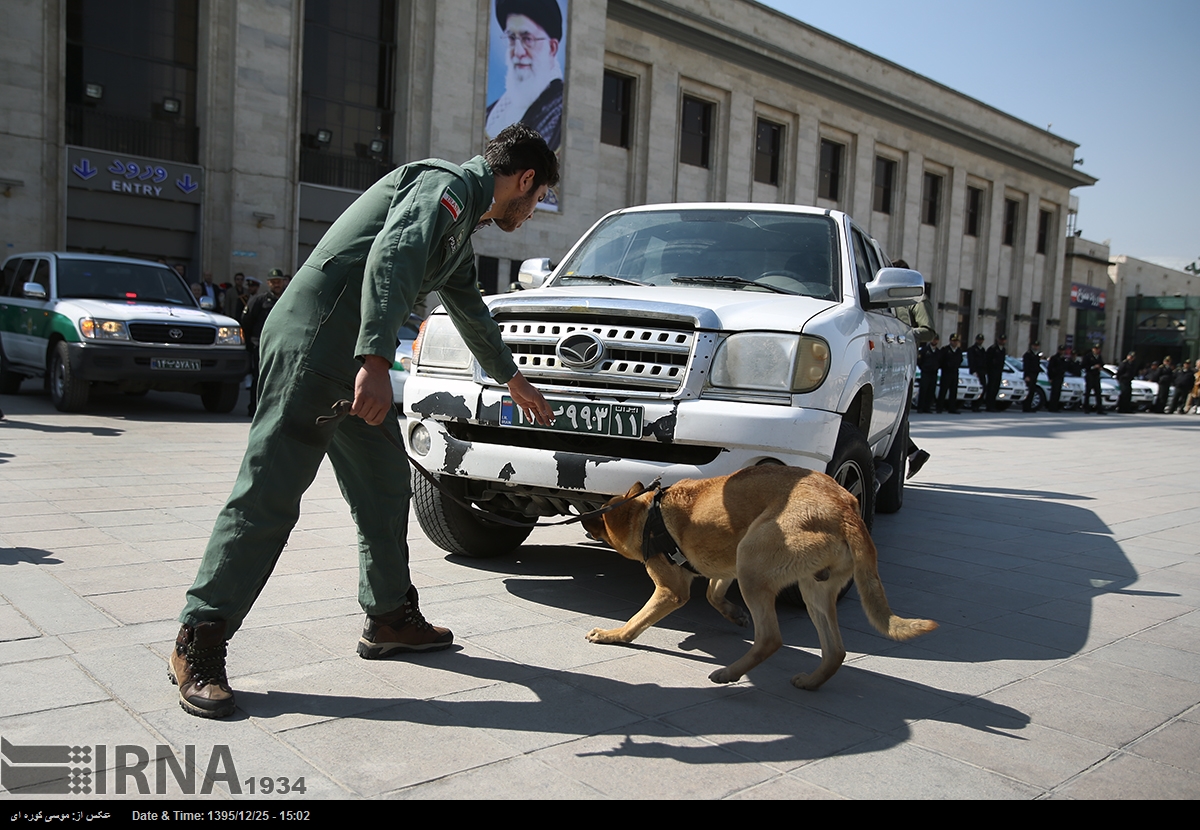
<point x="455" y="529"/>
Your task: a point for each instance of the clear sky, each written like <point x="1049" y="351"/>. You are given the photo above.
<point x="1119" y="78"/>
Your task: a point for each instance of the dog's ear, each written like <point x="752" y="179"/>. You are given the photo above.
<point x="634" y="490"/>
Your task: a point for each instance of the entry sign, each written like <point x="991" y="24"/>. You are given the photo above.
<point x="137" y="176"/>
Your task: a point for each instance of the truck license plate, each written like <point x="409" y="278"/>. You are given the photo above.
<point x="175" y="363"/>
<point x="619" y="420"/>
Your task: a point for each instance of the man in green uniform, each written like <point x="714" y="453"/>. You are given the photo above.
<point x="332" y="335"/>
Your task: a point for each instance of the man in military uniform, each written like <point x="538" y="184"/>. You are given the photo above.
<point x="1056" y="370"/>
<point x="950" y="361"/>
<point x="1031" y="367"/>
<point x="1092" y="361"/>
<point x="977" y="365"/>
<point x="257" y="310"/>
<point x="332" y="336"/>
<point x="994" y="365"/>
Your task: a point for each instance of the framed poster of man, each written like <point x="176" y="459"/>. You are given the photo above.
<point x="526" y="70"/>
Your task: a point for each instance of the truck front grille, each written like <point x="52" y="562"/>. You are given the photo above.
<point x="171" y="333"/>
<point x="637" y="357"/>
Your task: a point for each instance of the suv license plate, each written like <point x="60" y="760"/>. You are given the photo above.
<point x="175" y="363"/>
<point x="618" y="420"/>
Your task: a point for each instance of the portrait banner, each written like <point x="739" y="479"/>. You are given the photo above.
<point x="527" y="71"/>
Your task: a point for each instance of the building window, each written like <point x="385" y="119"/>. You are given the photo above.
<point x="768" y="146"/>
<point x="974" y="210"/>
<point x="1012" y="210"/>
<point x="347" y="92"/>
<point x="964" y="316"/>
<point x="616" y="110"/>
<point x="131" y="77"/>
<point x="1002" y="318"/>
<point x="885" y="180"/>
<point x="829" y="180"/>
<point x="931" y="199"/>
<point x="1044" y="217"/>
<point x="696" y="132"/>
<point x="1035" y="323"/>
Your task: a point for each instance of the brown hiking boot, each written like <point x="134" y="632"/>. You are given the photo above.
<point x="400" y="631"/>
<point x="197" y="667"/>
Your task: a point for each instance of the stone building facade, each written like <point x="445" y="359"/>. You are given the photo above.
<point x="665" y="100"/>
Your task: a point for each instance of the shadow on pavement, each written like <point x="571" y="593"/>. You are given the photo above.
<point x="568" y="703"/>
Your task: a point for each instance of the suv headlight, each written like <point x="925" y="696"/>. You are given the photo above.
<point x="229" y="336"/>
<point x="440" y="346"/>
<point x="94" y="329"/>
<point x="771" y="362"/>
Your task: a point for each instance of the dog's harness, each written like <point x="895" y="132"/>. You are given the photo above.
<point x="656" y="539"/>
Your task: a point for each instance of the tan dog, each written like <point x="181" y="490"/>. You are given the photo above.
<point x="767" y="527"/>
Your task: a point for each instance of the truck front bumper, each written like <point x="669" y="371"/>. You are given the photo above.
<point x="697" y="438"/>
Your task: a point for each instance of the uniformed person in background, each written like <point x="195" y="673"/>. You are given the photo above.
<point x="332" y="336"/>
<point x="951" y="360"/>
<point x="257" y="310"/>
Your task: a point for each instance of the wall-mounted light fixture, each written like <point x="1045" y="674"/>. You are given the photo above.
<point x="9" y="184"/>
<point x="170" y="105"/>
<point x="263" y="217"/>
<point x="324" y="136"/>
<point x="377" y="146"/>
<point x="94" y="91"/>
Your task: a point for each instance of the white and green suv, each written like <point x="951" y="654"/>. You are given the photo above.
<point x="83" y="319"/>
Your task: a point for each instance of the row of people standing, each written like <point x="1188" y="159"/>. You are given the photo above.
<point x="1178" y="385"/>
<point x="943" y="362"/>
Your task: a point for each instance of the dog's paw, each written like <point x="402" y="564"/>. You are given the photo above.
<point x="724" y="676"/>
<point x="604" y="635"/>
<point x="738" y="616"/>
<point x="805" y="681"/>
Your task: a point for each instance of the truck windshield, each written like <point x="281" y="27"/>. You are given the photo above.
<point x="743" y="250"/>
<point x="99" y="280"/>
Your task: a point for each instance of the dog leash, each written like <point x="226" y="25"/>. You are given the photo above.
<point x="341" y="410"/>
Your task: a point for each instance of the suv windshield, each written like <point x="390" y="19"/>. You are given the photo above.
<point x="99" y="280"/>
<point x="727" y="249"/>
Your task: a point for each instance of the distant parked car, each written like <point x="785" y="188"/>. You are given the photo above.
<point x="84" y="320"/>
<point x="1144" y="391"/>
<point x="969" y="387"/>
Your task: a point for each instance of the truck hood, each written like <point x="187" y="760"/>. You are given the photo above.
<point x="714" y="309"/>
<point x="116" y="310"/>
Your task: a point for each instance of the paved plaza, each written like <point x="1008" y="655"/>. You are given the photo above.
<point x="1060" y="554"/>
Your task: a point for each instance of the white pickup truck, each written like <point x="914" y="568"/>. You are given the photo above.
<point x="681" y="341"/>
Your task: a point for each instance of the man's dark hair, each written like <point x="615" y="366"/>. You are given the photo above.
<point x="518" y="148"/>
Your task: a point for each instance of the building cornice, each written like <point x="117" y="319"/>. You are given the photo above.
<point x="687" y="28"/>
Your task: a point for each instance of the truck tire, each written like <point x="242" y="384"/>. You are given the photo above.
<point x="852" y="467"/>
<point x="220" y="397"/>
<point x="68" y="392"/>
<point x="455" y="529"/>
<point x="891" y="494"/>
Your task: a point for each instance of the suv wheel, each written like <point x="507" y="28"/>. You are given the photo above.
<point x="69" y="392"/>
<point x="220" y="397"/>
<point x="455" y="529"/>
<point x="852" y="467"/>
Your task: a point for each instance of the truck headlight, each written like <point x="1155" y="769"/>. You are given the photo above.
<point x="440" y="346"/>
<point x="229" y="336"/>
<point x="770" y="361"/>
<point x="94" y="329"/>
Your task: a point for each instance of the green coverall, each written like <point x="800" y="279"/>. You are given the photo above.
<point x="406" y="236"/>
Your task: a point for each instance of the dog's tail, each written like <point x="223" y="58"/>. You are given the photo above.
<point x="870" y="589"/>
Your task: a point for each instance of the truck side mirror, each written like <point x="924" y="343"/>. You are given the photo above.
<point x="534" y="272"/>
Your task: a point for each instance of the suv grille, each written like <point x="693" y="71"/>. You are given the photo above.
<point x="637" y="357"/>
<point x="170" y="333"/>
